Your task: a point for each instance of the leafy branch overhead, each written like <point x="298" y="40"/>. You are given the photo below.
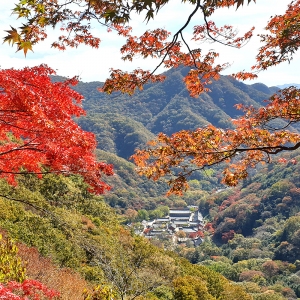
<point x="74" y="19"/>
<point x="14" y="37"/>
<point x="252" y="141"/>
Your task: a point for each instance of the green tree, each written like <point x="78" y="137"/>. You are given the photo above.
<point x="11" y="266"/>
<point x="142" y="215"/>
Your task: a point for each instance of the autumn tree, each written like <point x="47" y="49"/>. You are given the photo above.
<point x="131" y="214"/>
<point x="14" y="284"/>
<point x="270" y="268"/>
<point x="38" y="133"/>
<point x="181" y="234"/>
<point x="134" y="267"/>
<point x="11" y="266"/>
<point x="190" y="288"/>
<point x="254" y="138"/>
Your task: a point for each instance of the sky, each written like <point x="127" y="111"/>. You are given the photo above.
<point x="94" y="64"/>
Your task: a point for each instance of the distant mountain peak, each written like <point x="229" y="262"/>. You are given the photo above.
<point x="282" y="86"/>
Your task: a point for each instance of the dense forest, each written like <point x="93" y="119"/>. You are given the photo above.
<point x="85" y="247"/>
<point x="255" y="223"/>
<point x="122" y="123"/>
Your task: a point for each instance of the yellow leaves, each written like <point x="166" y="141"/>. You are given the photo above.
<point x="25" y="46"/>
<point x="14" y="37"/>
<point x="42" y="21"/>
<point x="40" y="8"/>
<point x="12" y="268"/>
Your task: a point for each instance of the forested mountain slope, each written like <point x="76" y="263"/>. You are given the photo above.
<point x="163" y="107"/>
<point x="256" y="229"/>
<point x="122" y="123"/>
<point x="73" y="243"/>
<point x="81" y="235"/>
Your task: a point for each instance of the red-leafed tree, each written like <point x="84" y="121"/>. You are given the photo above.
<point x="37" y="131"/>
<point x="252" y="141"/>
<point x="27" y="290"/>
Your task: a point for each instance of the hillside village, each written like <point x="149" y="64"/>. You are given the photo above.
<point x="180" y="225"/>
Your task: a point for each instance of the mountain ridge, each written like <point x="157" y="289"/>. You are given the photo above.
<point x="165" y="107"/>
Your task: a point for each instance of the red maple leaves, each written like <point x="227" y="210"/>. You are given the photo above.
<point x="37" y="130"/>
<point x="28" y="289"/>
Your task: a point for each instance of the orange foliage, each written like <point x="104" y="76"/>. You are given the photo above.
<point x="209" y="228"/>
<point x="69" y="284"/>
<point x="74" y="19"/>
<point x="283" y="40"/>
<point x="226" y="236"/>
<point x="250" y="275"/>
<point x="251" y="142"/>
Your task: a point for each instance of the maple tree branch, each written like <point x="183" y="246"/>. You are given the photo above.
<point x="198" y="5"/>
<point x="20" y="149"/>
<point x="266" y="149"/>
<point x="233" y="152"/>
<point x="265" y="125"/>
<point x="8" y="123"/>
<point x="27" y="203"/>
<point x="13" y="111"/>
<point x="174" y="40"/>
<point x="276" y="150"/>
<point x="35" y="173"/>
<point x="27" y="146"/>
<point x="270" y="150"/>
<point x="208" y="29"/>
<point x="188" y="47"/>
<point x="104" y="24"/>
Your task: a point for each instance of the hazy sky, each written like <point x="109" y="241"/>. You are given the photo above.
<point x="93" y="64"/>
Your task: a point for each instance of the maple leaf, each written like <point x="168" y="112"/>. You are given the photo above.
<point x="25" y="46"/>
<point x="12" y="37"/>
